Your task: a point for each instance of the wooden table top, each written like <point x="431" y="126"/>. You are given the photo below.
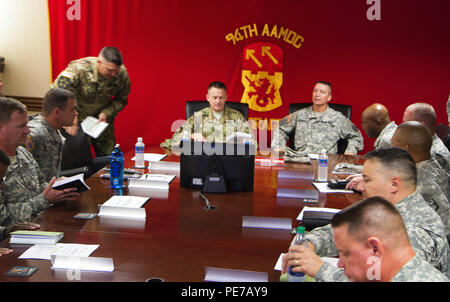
<point x="179" y="238"/>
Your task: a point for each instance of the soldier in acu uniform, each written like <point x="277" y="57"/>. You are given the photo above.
<point x="431" y="178"/>
<point x="376" y="122"/>
<point x="389" y="173"/>
<point x="374" y="246"/>
<point x="214" y="123"/>
<point x="45" y="141"/>
<point x="317" y="127"/>
<point x="25" y="190"/>
<point x="101" y="86"/>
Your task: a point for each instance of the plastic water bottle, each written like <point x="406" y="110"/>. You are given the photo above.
<point x="139" y="154"/>
<point x="298" y="240"/>
<point x="116" y="166"/>
<point x="322" y="166"/>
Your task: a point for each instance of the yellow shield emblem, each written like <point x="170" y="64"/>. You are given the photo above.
<point x="262" y="76"/>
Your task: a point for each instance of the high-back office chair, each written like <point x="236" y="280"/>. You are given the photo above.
<point x="77" y="156"/>
<point x="194" y="106"/>
<point x="346" y="110"/>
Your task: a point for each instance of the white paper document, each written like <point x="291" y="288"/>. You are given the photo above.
<point x="230" y="275"/>
<point x="41" y="251"/>
<point x="323" y="188"/>
<point x="152" y="157"/>
<point x="119" y="206"/>
<point x="97" y="264"/>
<point x="93" y="127"/>
<point x="305" y="208"/>
<point x="266" y="222"/>
<point x="330" y="260"/>
<point x="152" y="181"/>
<point x="239" y="138"/>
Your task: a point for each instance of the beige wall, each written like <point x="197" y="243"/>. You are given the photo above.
<point x="24" y="42"/>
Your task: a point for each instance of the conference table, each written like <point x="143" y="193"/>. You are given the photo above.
<point x="179" y="238"/>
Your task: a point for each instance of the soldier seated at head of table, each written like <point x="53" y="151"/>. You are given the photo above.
<point x="214" y="123"/>
<point x="25" y="191"/>
<point x="317" y="127"/>
<point x="45" y="141"/>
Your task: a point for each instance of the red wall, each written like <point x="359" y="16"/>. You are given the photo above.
<point x="173" y="49"/>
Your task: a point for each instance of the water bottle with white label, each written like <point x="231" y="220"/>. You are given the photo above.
<point x="139" y="154"/>
<point x="322" y="166"/>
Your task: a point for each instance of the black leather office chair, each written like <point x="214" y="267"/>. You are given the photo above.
<point x="194" y="106"/>
<point x="346" y="110"/>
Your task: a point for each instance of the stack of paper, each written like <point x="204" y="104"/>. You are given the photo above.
<point x="45" y="252"/>
<point x="98" y="264"/>
<point x="323" y="188"/>
<point x="124" y="207"/>
<point x="316" y="209"/>
<point x="35" y="237"/>
<point x="151" y="181"/>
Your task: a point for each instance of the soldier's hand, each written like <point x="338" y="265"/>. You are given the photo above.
<point x="198" y="137"/>
<point x="55" y="196"/>
<point x="5" y="251"/>
<point x="102" y="117"/>
<point x="355" y="183"/>
<point x="26" y="226"/>
<point x="72" y="130"/>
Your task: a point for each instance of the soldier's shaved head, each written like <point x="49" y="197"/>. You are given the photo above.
<point x="374" y="118"/>
<point x="421" y="112"/>
<point x="414" y="137"/>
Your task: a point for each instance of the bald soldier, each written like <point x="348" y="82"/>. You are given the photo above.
<point x="377" y="123"/>
<point x="424" y="113"/>
<point x="101" y="86"/>
<point x="432" y="182"/>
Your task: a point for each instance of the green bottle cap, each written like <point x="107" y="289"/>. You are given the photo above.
<point x="300" y="230"/>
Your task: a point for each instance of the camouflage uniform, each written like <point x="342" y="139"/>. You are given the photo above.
<point x="418" y="270"/>
<point x="212" y="129"/>
<point x="316" y="131"/>
<point x="46" y="145"/>
<point x="448" y="108"/>
<point x="6" y="218"/>
<point x="440" y="152"/>
<point x="94" y="95"/>
<point x="384" y="139"/>
<point x="432" y="183"/>
<point x="425" y="231"/>
<point x="24" y="186"/>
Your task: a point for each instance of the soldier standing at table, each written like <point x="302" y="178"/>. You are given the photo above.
<point x="101" y="86"/>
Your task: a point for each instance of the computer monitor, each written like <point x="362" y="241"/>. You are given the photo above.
<point x="217" y="167"/>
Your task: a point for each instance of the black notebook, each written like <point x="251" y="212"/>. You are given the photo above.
<point x="76" y="181"/>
